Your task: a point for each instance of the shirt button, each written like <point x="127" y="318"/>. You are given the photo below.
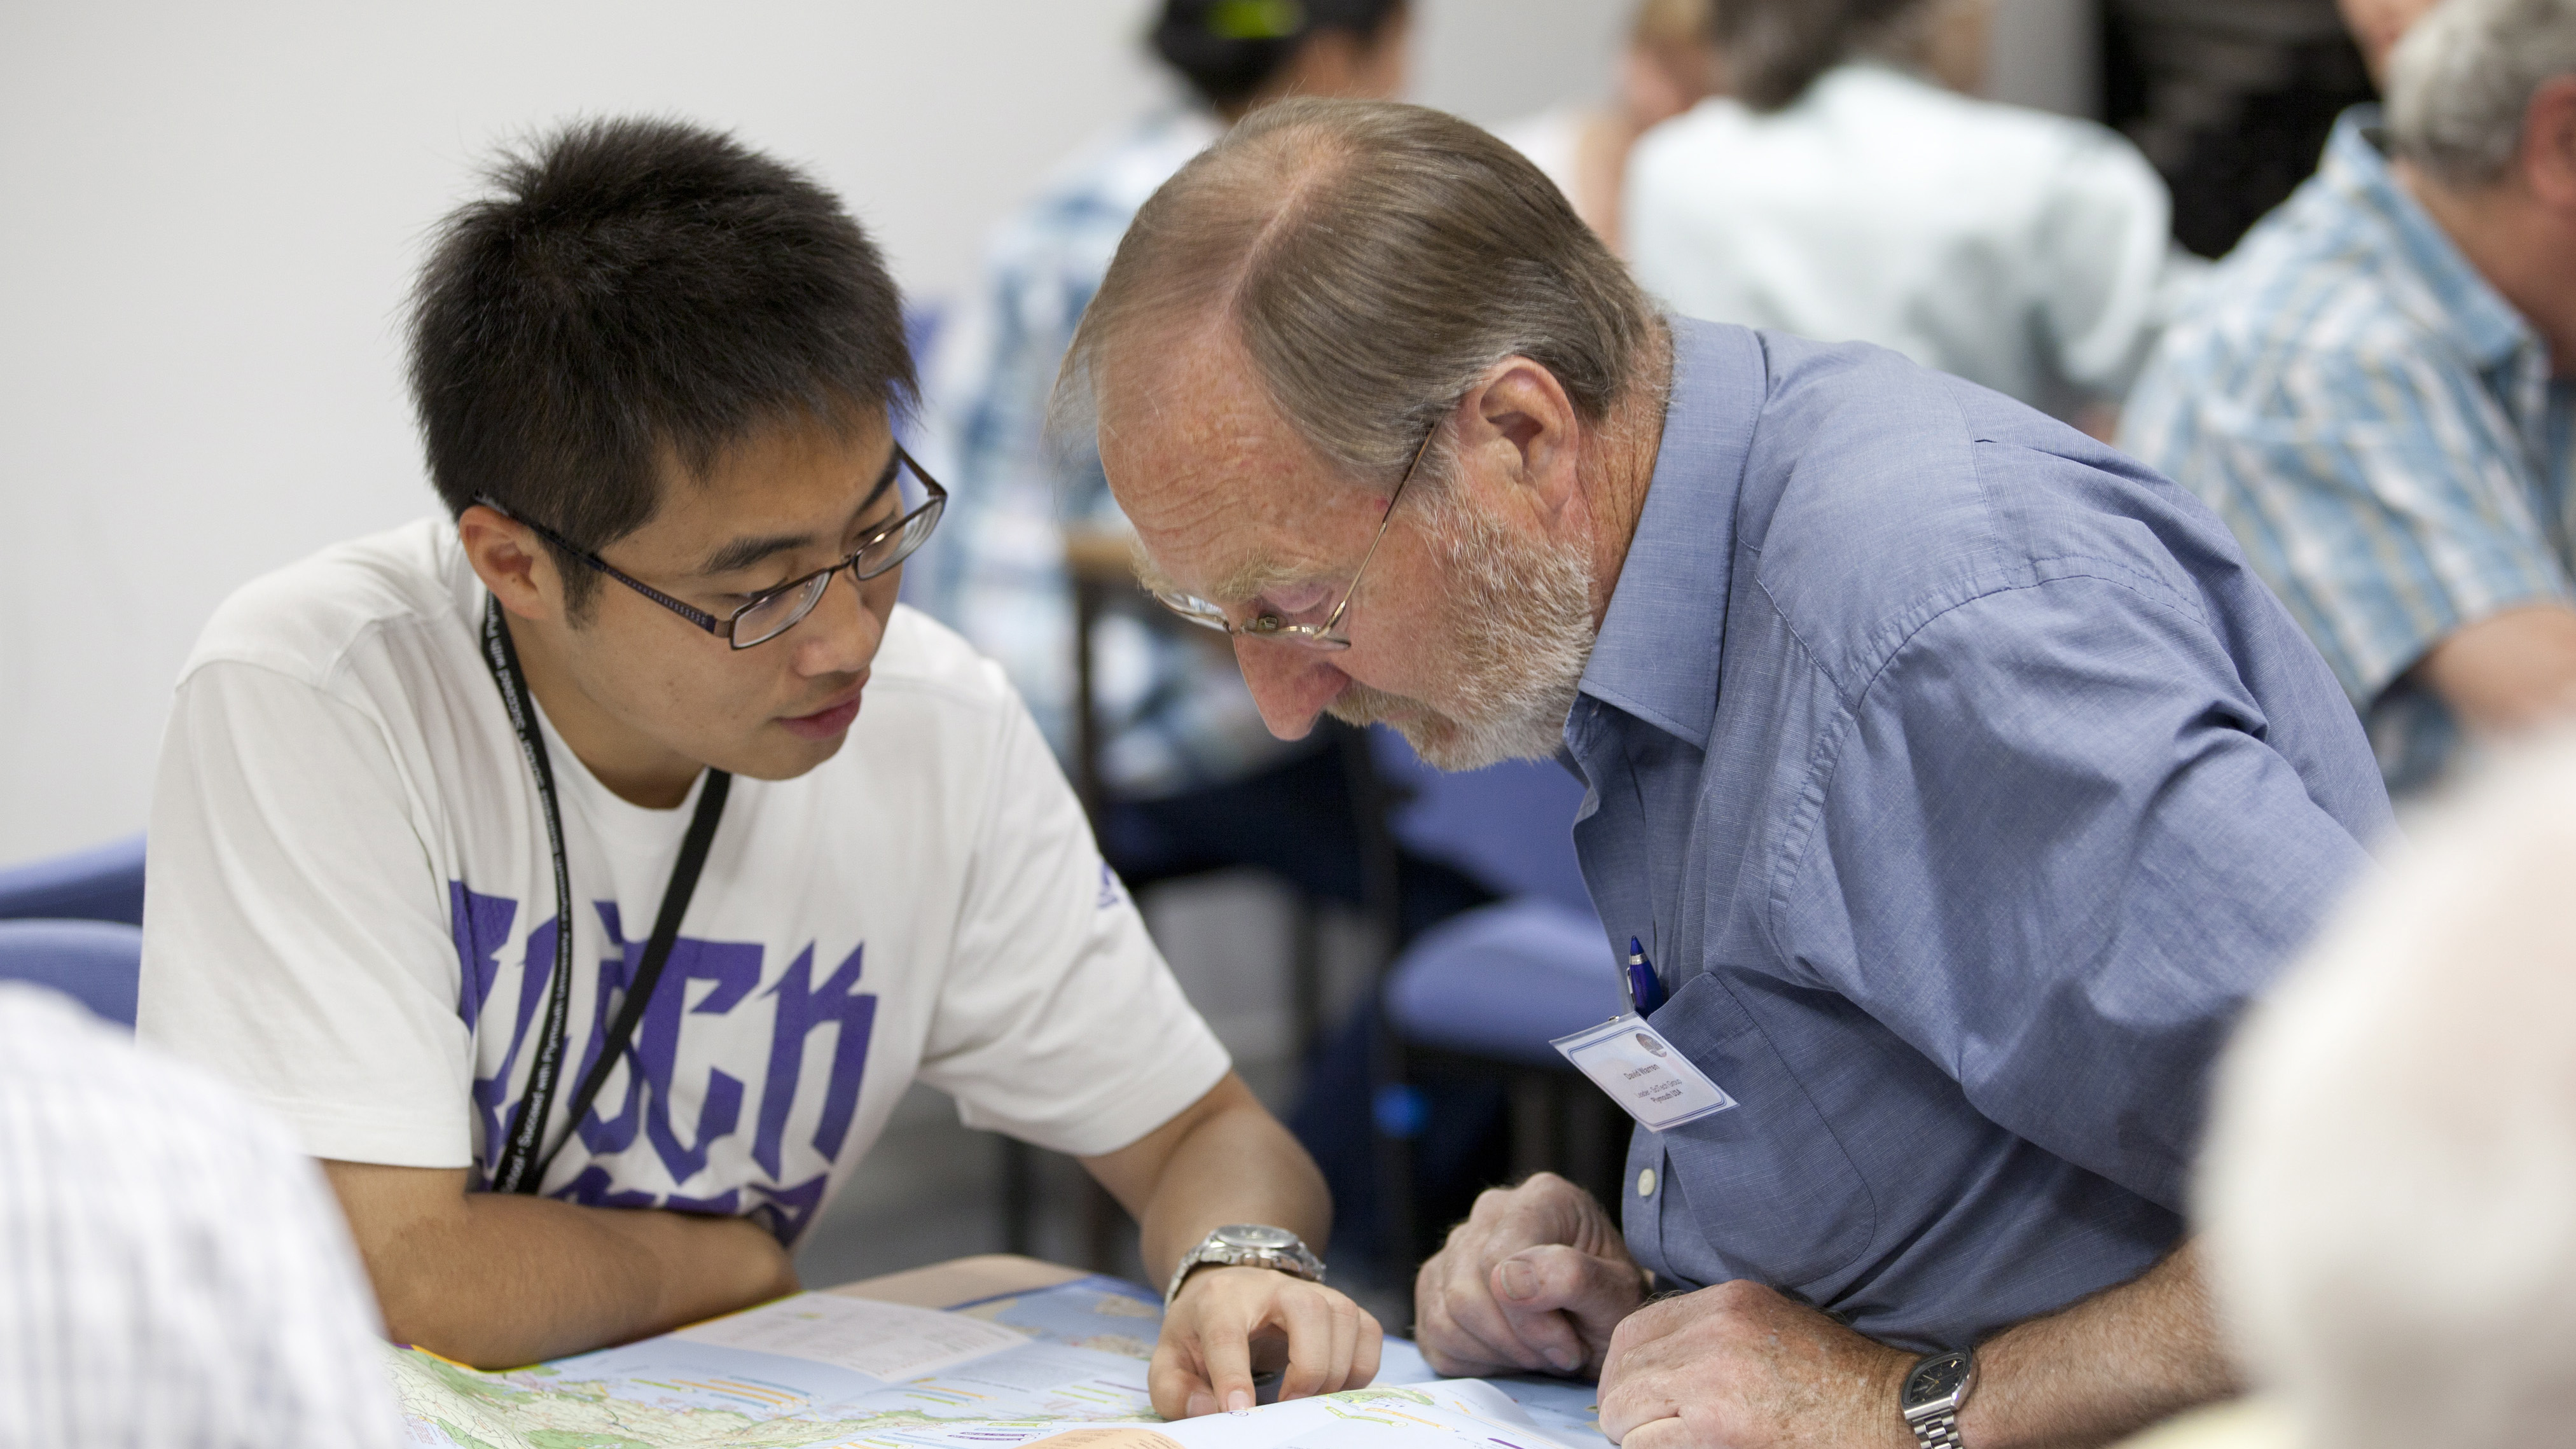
<point x="1646" y="1182"/>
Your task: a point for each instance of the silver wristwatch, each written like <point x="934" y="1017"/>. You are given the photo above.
<point x="1248" y="1245"/>
<point x="1934" y="1389"/>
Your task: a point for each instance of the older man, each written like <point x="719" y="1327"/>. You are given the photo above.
<point x="1956" y="772"/>
<point x="2379" y="389"/>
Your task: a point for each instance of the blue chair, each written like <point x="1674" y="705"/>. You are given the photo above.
<point x="97" y="963"/>
<point x="1502" y="981"/>
<point x="1483" y="993"/>
<point x="100" y="884"/>
<point x="1510" y="826"/>
<point x="1499" y="981"/>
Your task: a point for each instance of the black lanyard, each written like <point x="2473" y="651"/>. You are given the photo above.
<point x="522" y="1167"/>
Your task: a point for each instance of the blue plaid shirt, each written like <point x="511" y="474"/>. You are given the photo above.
<point x="2380" y="429"/>
<point x="1174" y="707"/>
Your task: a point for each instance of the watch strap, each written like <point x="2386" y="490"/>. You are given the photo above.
<point x="1937" y="1431"/>
<point x="1296" y="1260"/>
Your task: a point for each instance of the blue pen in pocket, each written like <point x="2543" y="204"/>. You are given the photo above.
<point x="1644" y="986"/>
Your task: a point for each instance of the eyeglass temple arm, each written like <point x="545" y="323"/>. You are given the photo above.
<point x="1334" y="620"/>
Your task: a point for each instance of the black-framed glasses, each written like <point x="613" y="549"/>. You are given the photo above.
<point x="1327" y="635"/>
<point x="773" y="612"/>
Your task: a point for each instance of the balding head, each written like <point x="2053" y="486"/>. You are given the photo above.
<point x="1373" y="261"/>
<point x="1332" y="290"/>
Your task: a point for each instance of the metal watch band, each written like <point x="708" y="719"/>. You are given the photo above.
<point x="1937" y="1431"/>
<point x="1294" y="1259"/>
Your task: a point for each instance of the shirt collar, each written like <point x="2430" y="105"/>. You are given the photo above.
<point x="1657" y="655"/>
<point x="2471" y="308"/>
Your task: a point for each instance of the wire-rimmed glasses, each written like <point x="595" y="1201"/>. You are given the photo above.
<point x="1327" y="635"/>
<point x="773" y="612"/>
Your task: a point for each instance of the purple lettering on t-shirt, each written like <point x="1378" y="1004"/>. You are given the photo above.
<point x="481" y="926"/>
<point x="786" y="1210"/>
<point x="734" y="969"/>
<point x="492" y="1093"/>
<point x="593" y="1187"/>
<point x="801" y="1010"/>
<point x="601" y="1134"/>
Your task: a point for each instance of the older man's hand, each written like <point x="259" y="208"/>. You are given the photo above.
<point x="1534" y="1280"/>
<point x="1738" y="1366"/>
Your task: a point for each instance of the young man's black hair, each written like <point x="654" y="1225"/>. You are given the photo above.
<point x="638" y="291"/>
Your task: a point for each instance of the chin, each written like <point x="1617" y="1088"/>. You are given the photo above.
<point x="783" y="756"/>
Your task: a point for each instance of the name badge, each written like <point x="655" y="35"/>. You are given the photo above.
<point x="1643" y="1073"/>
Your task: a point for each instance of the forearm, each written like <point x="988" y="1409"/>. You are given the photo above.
<point x="2508" y="673"/>
<point x="498" y="1280"/>
<point x="1225" y="1160"/>
<point x="2102" y="1368"/>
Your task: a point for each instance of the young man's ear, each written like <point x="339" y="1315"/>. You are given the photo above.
<point x="511" y="562"/>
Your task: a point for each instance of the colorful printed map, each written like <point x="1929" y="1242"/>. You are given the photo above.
<point x="1065" y="1364"/>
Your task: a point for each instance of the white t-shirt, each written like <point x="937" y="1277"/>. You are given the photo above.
<point x="2023" y="251"/>
<point x="351" y="910"/>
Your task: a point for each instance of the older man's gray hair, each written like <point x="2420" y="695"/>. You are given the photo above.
<point x="1375" y="259"/>
<point x="2462" y="79"/>
<point x="2390" y="1185"/>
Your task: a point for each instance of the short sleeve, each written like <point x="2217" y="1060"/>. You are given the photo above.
<point x="2107" y="271"/>
<point x="1059" y="1022"/>
<point x="2383" y="496"/>
<point x="296" y="933"/>
<point x="2055" y="854"/>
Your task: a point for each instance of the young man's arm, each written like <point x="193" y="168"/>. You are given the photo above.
<point x="498" y="1280"/>
<point x="1225" y="1159"/>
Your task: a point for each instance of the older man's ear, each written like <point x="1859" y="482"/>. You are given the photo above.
<point x="1524" y="431"/>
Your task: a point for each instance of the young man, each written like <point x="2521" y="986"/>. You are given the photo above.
<point x="651" y="686"/>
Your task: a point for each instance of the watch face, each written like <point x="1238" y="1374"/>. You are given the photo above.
<point x="1936" y="1379"/>
<point x="1256" y="1235"/>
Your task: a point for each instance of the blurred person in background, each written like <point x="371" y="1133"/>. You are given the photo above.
<point x="1194" y="783"/>
<point x="1848" y="185"/>
<point x="2375" y="389"/>
<point x="1666" y="69"/>
<point x="177" y="1273"/>
<point x="2389" y="1191"/>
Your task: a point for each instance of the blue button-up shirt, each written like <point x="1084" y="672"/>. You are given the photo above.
<point x="1965" y="785"/>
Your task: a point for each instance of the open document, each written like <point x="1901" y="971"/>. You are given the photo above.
<point x="1063" y="1366"/>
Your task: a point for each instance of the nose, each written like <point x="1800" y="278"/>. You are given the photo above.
<point x="842" y="637"/>
<point x="1290" y="685"/>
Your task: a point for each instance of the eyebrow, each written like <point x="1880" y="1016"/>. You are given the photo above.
<point x="743" y="552"/>
<point x="1240" y="585"/>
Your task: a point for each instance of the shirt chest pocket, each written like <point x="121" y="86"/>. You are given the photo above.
<point x="1764" y="1191"/>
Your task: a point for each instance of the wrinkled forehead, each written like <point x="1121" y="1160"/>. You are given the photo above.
<point x="1226" y="499"/>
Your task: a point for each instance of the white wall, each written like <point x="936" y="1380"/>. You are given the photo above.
<point x="208" y="215"/>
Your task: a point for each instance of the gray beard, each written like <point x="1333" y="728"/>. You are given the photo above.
<point x="1518" y="622"/>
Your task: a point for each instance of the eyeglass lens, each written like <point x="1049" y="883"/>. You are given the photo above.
<point x="778" y="613"/>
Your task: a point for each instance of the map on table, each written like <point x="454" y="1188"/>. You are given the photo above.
<point x="1064" y="1366"/>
